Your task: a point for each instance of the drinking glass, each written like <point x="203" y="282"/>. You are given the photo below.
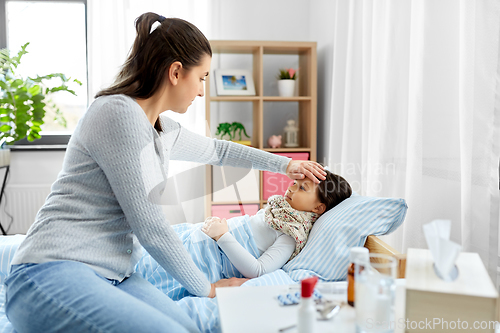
<point x="374" y="294"/>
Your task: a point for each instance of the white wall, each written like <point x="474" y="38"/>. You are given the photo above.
<point x="321" y="17"/>
<point x="286" y="20"/>
<point x="31" y="175"/>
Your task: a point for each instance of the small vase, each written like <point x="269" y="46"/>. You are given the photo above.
<point x="286" y="88"/>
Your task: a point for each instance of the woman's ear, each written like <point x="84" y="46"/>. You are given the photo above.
<point x="319" y="209"/>
<point x="174" y="72"/>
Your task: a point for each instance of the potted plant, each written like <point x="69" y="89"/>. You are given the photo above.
<point x="286" y="82"/>
<point x="24" y="101"/>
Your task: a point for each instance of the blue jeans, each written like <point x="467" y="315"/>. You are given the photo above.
<point x="68" y="296"/>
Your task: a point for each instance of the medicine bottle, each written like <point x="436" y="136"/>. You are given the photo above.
<point x="357" y="254"/>
<point x="307" y="309"/>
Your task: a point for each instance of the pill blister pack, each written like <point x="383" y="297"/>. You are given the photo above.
<point x="293" y="298"/>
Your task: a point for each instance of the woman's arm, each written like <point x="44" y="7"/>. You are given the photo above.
<point x="188" y="146"/>
<point x="274" y="257"/>
<point x="120" y="139"/>
<point x="185" y="145"/>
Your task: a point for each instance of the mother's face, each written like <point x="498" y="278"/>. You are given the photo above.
<point x="190" y="83"/>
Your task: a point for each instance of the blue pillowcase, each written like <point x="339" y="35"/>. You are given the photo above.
<point x="348" y="224"/>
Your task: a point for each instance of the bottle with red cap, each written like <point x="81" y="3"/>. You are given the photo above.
<point x="307" y="309"/>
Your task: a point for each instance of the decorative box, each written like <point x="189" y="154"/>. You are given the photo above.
<point x="228" y="211"/>
<point x="467" y="303"/>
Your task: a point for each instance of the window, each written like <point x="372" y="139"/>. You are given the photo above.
<point x="56" y="31"/>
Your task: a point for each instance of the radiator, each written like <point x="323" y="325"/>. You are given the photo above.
<point x="21" y="202"/>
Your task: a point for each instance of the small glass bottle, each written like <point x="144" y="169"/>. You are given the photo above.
<point x="357" y="254"/>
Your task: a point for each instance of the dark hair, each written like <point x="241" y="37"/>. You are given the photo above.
<point x="153" y="52"/>
<point x="333" y="190"/>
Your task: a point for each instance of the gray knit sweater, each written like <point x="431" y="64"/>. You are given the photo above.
<point x="105" y="201"/>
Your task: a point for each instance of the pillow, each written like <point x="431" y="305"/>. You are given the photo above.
<point x="326" y="253"/>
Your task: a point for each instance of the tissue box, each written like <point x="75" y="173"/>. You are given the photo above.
<point x="468" y="303"/>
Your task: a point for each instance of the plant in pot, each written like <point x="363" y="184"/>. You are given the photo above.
<point x="286" y="82"/>
<point x="24" y="101"/>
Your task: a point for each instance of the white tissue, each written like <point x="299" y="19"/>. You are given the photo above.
<point x="443" y="251"/>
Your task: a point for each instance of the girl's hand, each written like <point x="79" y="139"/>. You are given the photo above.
<point x="232" y="282"/>
<point x="301" y="169"/>
<point x="214" y="227"/>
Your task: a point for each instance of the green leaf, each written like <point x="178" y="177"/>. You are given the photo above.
<point x="38" y="113"/>
<point x="21" y="97"/>
<point x="35" y="90"/>
<point x="33" y="135"/>
<point x="60" y="88"/>
<point x="5" y="128"/>
<point x="22" y="119"/>
<point x="22" y="129"/>
<point x="37" y="99"/>
<point x="21" y="111"/>
<point x="17" y="60"/>
<point x="17" y="83"/>
<point x="38" y="105"/>
<point x="5" y="119"/>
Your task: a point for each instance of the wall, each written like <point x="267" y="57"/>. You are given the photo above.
<point x="30" y="177"/>
<point x="321" y="16"/>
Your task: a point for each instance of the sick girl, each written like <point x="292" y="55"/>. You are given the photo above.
<point x="281" y="229"/>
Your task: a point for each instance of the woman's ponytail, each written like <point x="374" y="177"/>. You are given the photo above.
<point x="143" y="25"/>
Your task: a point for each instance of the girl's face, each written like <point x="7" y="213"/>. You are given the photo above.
<point x="303" y="196"/>
<point x="190" y="85"/>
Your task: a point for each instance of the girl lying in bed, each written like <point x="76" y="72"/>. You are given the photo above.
<point x="250" y="246"/>
<point x="281" y="229"/>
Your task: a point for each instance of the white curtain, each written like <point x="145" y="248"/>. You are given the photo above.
<point x="110" y="35"/>
<point x="415" y="113"/>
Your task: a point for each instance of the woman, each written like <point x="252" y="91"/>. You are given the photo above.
<point x="75" y="270"/>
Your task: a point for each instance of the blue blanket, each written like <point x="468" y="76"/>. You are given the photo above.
<point x="213" y="263"/>
<point x="206" y="255"/>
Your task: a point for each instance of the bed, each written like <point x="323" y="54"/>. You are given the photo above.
<point x="355" y="222"/>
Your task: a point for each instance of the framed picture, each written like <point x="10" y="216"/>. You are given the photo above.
<point x="234" y="82"/>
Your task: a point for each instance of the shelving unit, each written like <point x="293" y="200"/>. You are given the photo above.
<point x="263" y="104"/>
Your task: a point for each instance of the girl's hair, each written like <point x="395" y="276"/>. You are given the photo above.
<point x="333" y="190"/>
<point x="154" y="51"/>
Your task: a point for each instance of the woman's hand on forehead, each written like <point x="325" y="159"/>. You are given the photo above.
<point x="298" y="169"/>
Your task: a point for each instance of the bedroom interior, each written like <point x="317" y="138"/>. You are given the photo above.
<point x="401" y="98"/>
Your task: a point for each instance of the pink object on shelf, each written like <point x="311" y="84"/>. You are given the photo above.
<point x="276" y="183"/>
<point x="228" y="211"/>
<point x="274" y="141"/>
